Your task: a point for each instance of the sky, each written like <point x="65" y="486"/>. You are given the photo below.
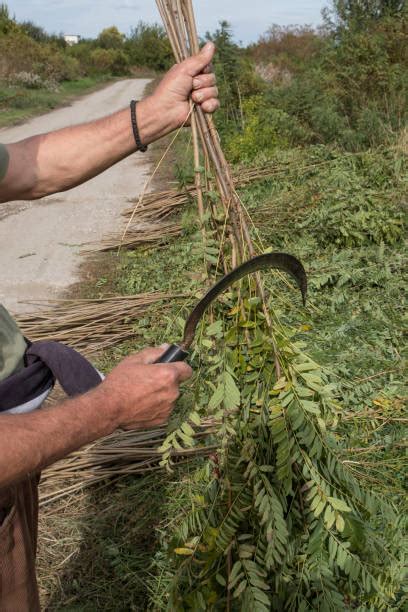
<point x="249" y="18"/>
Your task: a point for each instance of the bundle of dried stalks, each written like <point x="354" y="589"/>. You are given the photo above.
<point x="159" y="205"/>
<point x="137" y="234"/>
<point x="89" y="324"/>
<point x="149" y="214"/>
<point x="120" y="454"/>
<point x="178" y="19"/>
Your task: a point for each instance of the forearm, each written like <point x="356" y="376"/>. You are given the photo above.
<point x="53" y="162"/>
<point x="33" y="441"/>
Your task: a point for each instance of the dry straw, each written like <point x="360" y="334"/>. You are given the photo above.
<point x="89" y="325"/>
<point x="120" y="454"/>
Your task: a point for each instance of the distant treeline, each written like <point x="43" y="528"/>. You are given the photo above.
<point x="28" y="53"/>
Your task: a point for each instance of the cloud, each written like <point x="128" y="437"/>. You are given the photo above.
<point x="127" y="5"/>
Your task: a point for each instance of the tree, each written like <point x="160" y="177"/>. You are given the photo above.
<point x="7" y="24"/>
<point x="235" y="75"/>
<point x="356" y="14"/>
<point x="149" y="46"/>
<point x="111" y="38"/>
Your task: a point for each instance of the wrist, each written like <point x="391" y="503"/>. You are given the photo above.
<point x="153" y="120"/>
<point x="108" y="406"/>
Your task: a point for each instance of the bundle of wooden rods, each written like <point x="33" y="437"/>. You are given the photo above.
<point x="150" y="214"/>
<point x="120" y="454"/>
<point x="89" y="325"/>
<point x="160" y="204"/>
<point x="178" y="19"/>
<point x="137" y="234"/>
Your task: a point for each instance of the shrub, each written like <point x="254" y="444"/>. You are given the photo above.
<point x="289" y="47"/>
<point x="110" y="38"/>
<point x="31" y="80"/>
<point x="264" y="129"/>
<point x="55" y="65"/>
<point x="109" y="61"/>
<point x="149" y="46"/>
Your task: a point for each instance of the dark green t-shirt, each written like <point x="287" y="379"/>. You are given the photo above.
<point x="4" y="161"/>
<point x="12" y="345"/>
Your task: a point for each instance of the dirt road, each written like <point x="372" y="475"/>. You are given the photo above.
<point x="40" y="241"/>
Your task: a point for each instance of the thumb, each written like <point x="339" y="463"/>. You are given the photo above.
<point x="149" y="355"/>
<point x="195" y="65"/>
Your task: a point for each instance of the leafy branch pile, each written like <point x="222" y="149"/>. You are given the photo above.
<point x="278" y="519"/>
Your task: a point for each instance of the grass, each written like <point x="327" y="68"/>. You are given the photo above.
<point x="18" y="104"/>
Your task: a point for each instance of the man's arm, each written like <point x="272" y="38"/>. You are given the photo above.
<point x="135" y="395"/>
<point x="60" y="160"/>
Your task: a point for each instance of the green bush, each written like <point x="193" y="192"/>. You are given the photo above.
<point x="148" y="46"/>
<point x="236" y="77"/>
<point x="110" y="38"/>
<point x="353" y="89"/>
<point x="109" y="61"/>
<point x="53" y="64"/>
<point x="264" y="129"/>
<point x="17" y="51"/>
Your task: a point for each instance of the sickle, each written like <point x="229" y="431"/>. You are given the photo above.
<point x="281" y="261"/>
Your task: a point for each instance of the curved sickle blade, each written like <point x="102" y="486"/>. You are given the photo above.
<point x="281" y="261"/>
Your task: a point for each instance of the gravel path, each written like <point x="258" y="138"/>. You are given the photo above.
<point x="40" y="241"/>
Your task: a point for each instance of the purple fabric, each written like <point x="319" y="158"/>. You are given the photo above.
<point x="47" y="361"/>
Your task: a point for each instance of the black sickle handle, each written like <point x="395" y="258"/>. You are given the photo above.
<point x="173" y="353"/>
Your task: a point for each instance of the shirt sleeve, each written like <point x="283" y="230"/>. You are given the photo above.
<point x="4" y="161"/>
<point x="12" y="345"/>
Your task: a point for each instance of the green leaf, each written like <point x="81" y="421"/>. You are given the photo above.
<point x="184" y="551"/>
<point x="241" y="588"/>
<point x="340" y="524"/>
<point x="329" y="517"/>
<point x="187" y="429"/>
<point x="232" y="395"/>
<point x="195" y="418"/>
<point x="262" y="597"/>
<point x="236" y="568"/>
<point x="221" y="580"/>
<point x="214" y="329"/>
<point x="338" y="504"/>
<point x="319" y="508"/>
<point x="217" y="397"/>
<point x="310" y="406"/>
<point x="188" y="441"/>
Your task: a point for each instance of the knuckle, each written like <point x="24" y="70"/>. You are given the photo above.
<point x="187" y="370"/>
<point x="171" y="376"/>
<point x="167" y="378"/>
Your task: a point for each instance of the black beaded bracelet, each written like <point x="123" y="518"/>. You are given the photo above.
<point x="139" y="145"/>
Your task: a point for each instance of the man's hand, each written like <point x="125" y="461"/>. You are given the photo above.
<point x="142" y="392"/>
<point x="135" y="395"/>
<point x="191" y="78"/>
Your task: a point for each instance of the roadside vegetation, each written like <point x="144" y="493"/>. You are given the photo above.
<point x="327" y="110"/>
<point x="39" y="71"/>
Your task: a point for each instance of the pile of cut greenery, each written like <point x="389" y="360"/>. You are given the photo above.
<point x="280" y="517"/>
<point x="290" y="513"/>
